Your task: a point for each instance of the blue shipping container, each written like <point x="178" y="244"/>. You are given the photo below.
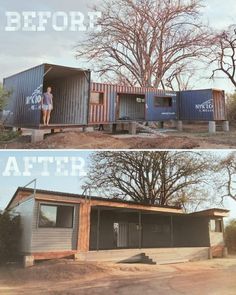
<point x="202" y="105"/>
<point x="70" y="88"/>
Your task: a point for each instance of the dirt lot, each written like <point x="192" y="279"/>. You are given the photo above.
<point x="194" y="136"/>
<point x="212" y="277"/>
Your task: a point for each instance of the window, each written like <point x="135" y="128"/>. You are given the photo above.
<point x="97" y="98"/>
<point x="162" y="102"/>
<point x="216" y="225"/>
<point x="56" y="216"/>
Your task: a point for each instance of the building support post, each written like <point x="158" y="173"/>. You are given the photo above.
<point x="140" y="229"/>
<point x="37" y="135"/>
<point x="212" y="127"/>
<point x="98" y="228"/>
<point x="226" y="126"/>
<point x="114" y="126"/>
<point x="171" y="232"/>
<point x="173" y="123"/>
<point x="180" y="126"/>
<point x="84" y="227"/>
<point x="28" y="261"/>
<point x="132" y="128"/>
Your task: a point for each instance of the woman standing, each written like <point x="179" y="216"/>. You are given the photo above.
<point x="47" y="105"/>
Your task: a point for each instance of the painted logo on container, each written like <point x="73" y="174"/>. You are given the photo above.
<point x="205" y="107"/>
<point x="34" y="100"/>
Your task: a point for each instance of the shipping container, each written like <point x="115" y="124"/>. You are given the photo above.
<point x="110" y="103"/>
<point x="202" y="105"/>
<point x="70" y="89"/>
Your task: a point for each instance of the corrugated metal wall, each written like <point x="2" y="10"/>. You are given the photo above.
<point x="23" y="105"/>
<point x="54" y="239"/>
<point x="108" y="111"/>
<point x="71" y="93"/>
<point x="196" y="105"/>
<point x="219" y="105"/>
<point x="70" y="100"/>
<point x="202" y="105"/>
<point x="129" y="107"/>
<point x="160" y="113"/>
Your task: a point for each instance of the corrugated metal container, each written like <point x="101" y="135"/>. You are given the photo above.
<point x="134" y="103"/>
<point x="70" y="88"/>
<point x="202" y="105"/>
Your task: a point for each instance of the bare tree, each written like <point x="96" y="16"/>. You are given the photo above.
<point x="182" y="78"/>
<point x="227" y="167"/>
<point x="162" y="178"/>
<point x="142" y="41"/>
<point x="223" y="56"/>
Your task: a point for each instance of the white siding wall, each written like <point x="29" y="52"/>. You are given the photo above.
<point x="54" y="239"/>
<point x="25" y="209"/>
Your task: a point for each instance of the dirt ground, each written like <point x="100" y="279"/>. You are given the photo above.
<point x="195" y="136"/>
<point x="212" y="277"/>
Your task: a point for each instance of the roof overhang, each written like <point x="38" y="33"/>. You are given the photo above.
<point x="214" y="212"/>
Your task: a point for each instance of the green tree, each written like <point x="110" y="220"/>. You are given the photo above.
<point x="230" y="236"/>
<point x="3" y="97"/>
<point x="10" y="234"/>
<point x="231" y="107"/>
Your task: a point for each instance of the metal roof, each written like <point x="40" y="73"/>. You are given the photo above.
<point x="64" y="194"/>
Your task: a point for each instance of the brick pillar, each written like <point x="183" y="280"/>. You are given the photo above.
<point x="84" y="227"/>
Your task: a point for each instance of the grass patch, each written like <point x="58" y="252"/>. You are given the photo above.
<point x="7" y="135"/>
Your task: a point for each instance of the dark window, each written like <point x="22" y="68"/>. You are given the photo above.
<point x="97" y="98"/>
<point x="216" y="225"/>
<point x="56" y="216"/>
<point x="162" y="102"/>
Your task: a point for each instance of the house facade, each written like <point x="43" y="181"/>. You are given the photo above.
<point x="56" y="224"/>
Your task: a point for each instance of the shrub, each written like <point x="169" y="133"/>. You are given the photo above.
<point x="231" y="107"/>
<point x="3" y="96"/>
<point x="6" y="135"/>
<point x="230" y="236"/>
<point x="10" y="234"/>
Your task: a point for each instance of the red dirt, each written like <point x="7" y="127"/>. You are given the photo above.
<point x="212" y="277"/>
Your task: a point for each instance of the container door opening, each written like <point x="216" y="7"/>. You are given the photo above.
<point x="131" y="107"/>
<point x="70" y="90"/>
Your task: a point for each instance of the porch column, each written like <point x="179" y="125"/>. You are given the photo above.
<point x="171" y="232"/>
<point x="140" y="229"/>
<point x="98" y="227"/>
<point x="84" y="227"/>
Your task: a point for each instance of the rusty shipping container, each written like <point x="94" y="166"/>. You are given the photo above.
<point x="70" y="88"/>
<point x="110" y="103"/>
<point x="202" y="105"/>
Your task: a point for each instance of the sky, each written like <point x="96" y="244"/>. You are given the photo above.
<point x="20" y="50"/>
<point x="56" y="180"/>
